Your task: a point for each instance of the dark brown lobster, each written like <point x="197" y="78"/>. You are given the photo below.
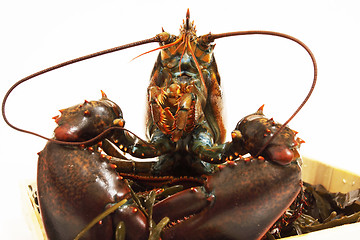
<point x="85" y="170"/>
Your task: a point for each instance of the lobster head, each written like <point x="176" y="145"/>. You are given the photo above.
<point x="178" y="51"/>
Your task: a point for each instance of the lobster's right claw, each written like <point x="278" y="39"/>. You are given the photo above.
<point x="255" y="130"/>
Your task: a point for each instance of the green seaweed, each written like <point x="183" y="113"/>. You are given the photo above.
<point x="320" y="210"/>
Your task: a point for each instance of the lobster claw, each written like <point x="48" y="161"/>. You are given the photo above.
<point x="76" y="184"/>
<point x="241" y="201"/>
<point x="255" y="130"/>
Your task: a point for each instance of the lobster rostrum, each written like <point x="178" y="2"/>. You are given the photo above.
<point x="200" y="187"/>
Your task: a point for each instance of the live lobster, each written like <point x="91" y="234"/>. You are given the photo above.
<point x="200" y="187"/>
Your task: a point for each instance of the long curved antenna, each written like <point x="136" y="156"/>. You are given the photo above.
<point x="110" y="50"/>
<point x="211" y="37"/>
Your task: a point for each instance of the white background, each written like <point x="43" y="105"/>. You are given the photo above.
<point x="254" y="70"/>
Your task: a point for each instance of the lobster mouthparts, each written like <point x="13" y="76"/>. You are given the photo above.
<point x="241" y="201"/>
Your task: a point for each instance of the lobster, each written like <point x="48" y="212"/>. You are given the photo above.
<point x="200" y="187"/>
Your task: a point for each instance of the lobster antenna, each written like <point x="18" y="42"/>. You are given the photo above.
<point x="159" y="48"/>
<point x="110" y="50"/>
<point x="211" y="37"/>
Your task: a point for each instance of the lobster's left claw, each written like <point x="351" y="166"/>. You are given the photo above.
<point x="241" y="201"/>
